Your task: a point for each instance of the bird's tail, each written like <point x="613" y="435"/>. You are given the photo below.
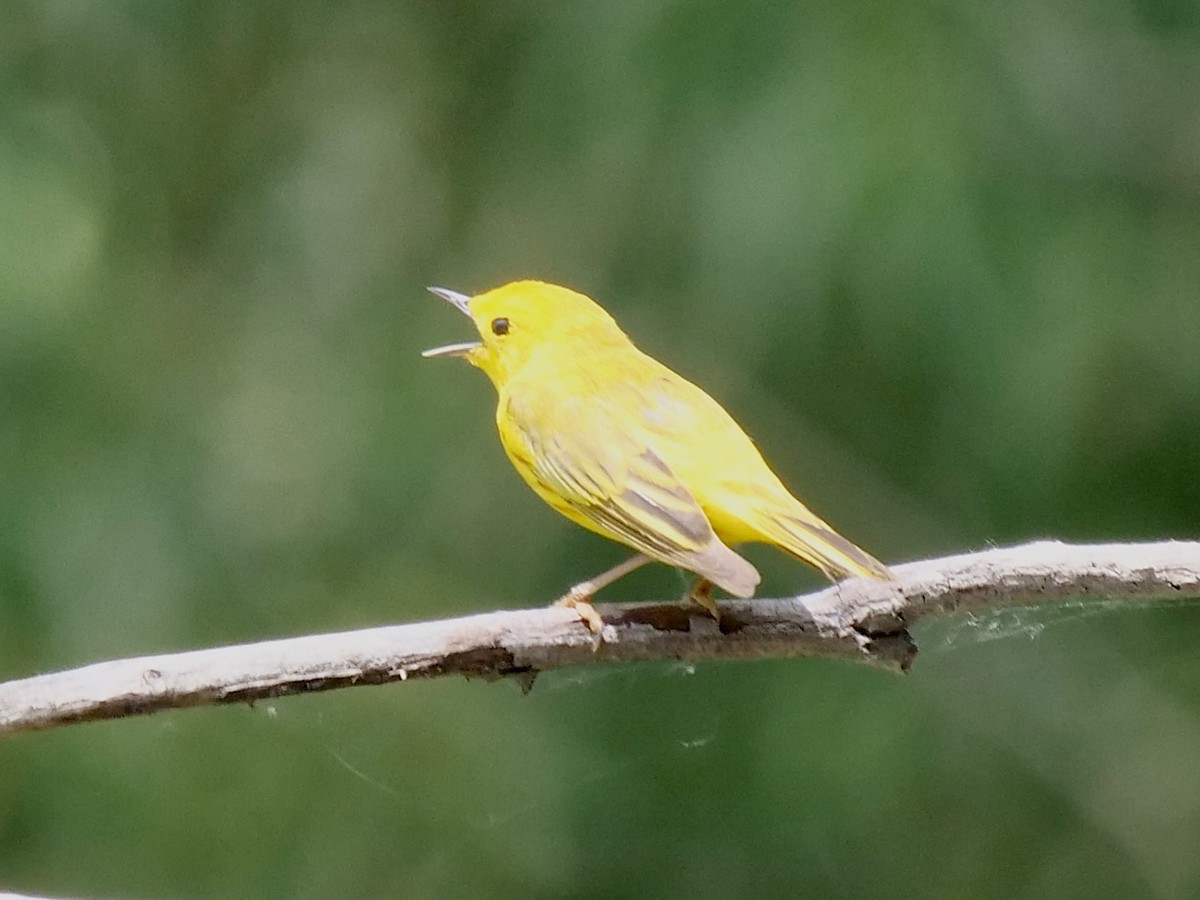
<point x="821" y="546"/>
<point x="800" y="533"/>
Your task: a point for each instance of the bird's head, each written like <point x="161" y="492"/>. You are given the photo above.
<point x="519" y="320"/>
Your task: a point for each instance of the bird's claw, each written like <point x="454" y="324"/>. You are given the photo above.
<point x="701" y="595"/>
<point x="581" y="602"/>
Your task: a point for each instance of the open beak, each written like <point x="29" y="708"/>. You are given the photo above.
<point x="460" y="302"/>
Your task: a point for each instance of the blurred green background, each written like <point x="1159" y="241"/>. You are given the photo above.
<point x="940" y="258"/>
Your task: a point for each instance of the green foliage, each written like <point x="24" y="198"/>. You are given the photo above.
<point x="939" y="258"/>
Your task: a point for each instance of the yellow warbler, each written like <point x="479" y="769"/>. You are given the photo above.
<point x="617" y="442"/>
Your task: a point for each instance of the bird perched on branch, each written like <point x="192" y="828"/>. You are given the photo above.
<point x="622" y="445"/>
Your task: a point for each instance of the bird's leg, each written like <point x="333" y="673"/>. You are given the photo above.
<point x="579" y="598"/>
<point x="701" y="595"/>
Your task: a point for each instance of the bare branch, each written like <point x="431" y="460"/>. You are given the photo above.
<point x="857" y="620"/>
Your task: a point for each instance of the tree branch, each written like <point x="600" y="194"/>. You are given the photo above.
<point x="858" y="619"/>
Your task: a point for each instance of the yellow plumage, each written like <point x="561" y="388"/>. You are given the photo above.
<point x="622" y="445"/>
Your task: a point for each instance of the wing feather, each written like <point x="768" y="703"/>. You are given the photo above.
<point x="597" y="469"/>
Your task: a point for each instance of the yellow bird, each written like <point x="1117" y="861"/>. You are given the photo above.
<point x="622" y="445"/>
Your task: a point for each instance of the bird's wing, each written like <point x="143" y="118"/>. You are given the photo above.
<point x="596" y="466"/>
<point x="748" y="490"/>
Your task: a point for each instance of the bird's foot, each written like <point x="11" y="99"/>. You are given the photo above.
<point x="701" y="595"/>
<point x="579" y="599"/>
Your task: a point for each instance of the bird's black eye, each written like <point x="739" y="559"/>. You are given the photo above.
<point x="500" y="326"/>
